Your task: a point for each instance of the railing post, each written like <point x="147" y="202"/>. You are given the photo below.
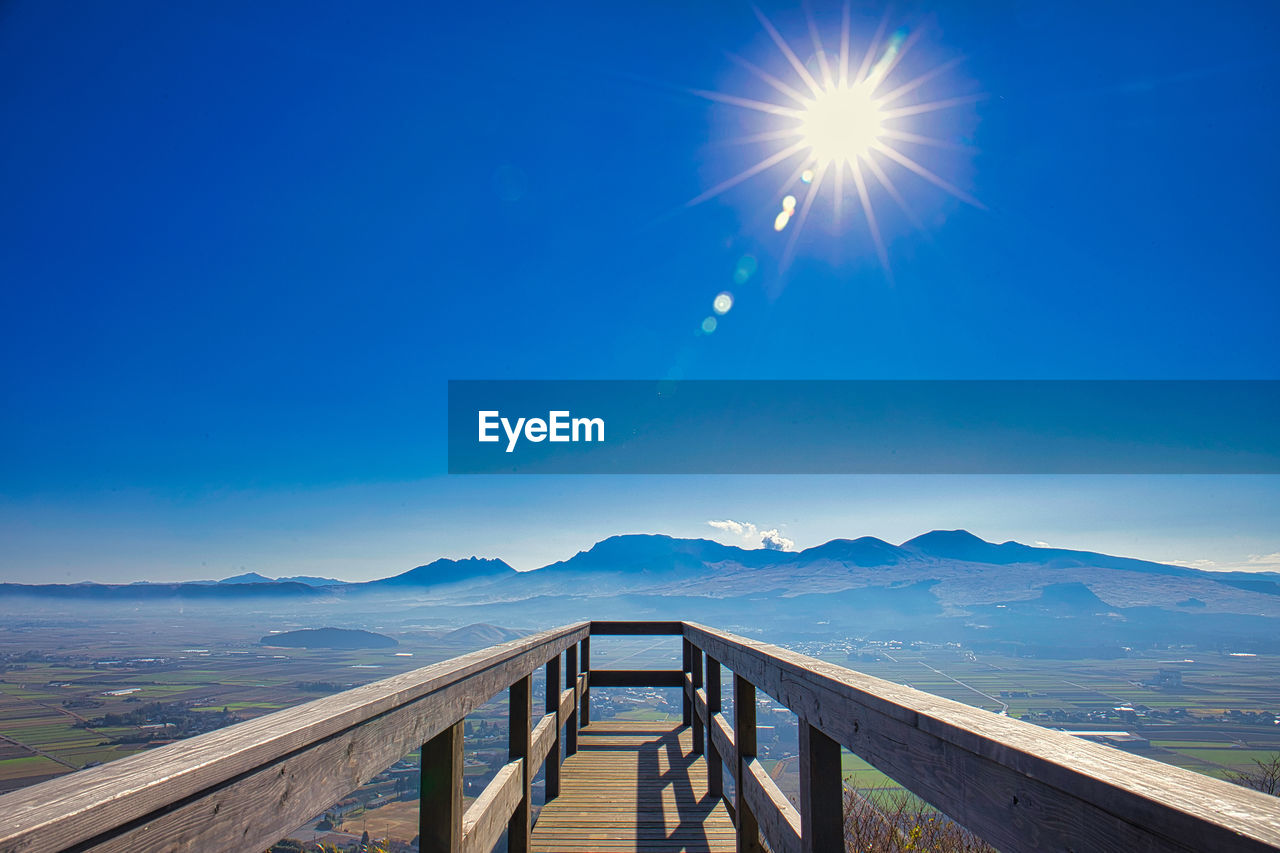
<point x="571" y="682"/>
<point x="821" y="791"/>
<point x="699" y="733"/>
<point x="521" y="709"/>
<point x="584" y="707"/>
<point x="552" y="763"/>
<point x="440" y="803"/>
<point x="686" y="701"/>
<point x="715" y="764"/>
<point x="744" y="734"/>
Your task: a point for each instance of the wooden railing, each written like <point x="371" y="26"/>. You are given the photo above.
<point x="243" y="787"/>
<point x="1019" y="786"/>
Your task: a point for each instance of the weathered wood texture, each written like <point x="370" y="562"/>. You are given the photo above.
<point x="492" y="812"/>
<point x="571" y="687"/>
<point x="711" y="698"/>
<point x="542" y="741"/>
<point x="744" y="738"/>
<point x="635" y="787"/>
<point x="242" y="787"/>
<point x="776" y="817"/>
<point x="440" y="804"/>
<point x="821" y="791"/>
<point x="519" y="747"/>
<point x="697" y="694"/>
<point x="632" y="629"/>
<point x="1019" y="786"/>
<point x="584" y="705"/>
<point x="637" y="678"/>
<point x="686" y="683"/>
<point x="566" y="706"/>
<point x="722" y="736"/>
<point x="552" y="706"/>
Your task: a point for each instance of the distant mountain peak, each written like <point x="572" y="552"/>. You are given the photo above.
<point x="657" y="553"/>
<point x="959" y="536"/>
<point x="963" y="545"/>
<point x="254" y="577"/>
<point x="310" y="580"/>
<point x="481" y="633"/>
<point x="248" y="577"/>
<point x="445" y="571"/>
<point x="863" y="551"/>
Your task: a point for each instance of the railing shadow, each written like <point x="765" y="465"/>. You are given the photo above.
<point x="656" y="828"/>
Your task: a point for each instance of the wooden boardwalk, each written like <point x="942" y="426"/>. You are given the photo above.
<point x="636" y="787"/>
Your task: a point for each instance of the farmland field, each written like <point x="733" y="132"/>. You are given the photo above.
<point x="80" y="692"/>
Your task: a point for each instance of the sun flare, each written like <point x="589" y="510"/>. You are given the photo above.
<point x="841" y="124"/>
<point x="841" y="119"/>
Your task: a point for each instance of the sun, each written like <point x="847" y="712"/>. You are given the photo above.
<point x="841" y="125"/>
<point x="841" y="119"/>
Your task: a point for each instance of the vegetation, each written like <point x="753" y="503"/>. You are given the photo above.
<point x="161" y="719"/>
<point x="330" y="638"/>
<point x="321" y="686"/>
<point x="898" y="822"/>
<point x="1264" y="776"/>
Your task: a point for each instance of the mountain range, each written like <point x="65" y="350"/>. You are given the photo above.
<point x="948" y="582"/>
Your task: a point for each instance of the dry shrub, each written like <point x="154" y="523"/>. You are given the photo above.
<point x="897" y="822"/>
<point x="1264" y="776"/>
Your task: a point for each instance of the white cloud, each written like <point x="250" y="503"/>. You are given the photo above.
<point x="753" y="537"/>
<point x="1253" y="563"/>
<point x="1206" y="565"/>
<point x="731" y="527"/>
<point x="1263" y="562"/>
<point x="772" y="541"/>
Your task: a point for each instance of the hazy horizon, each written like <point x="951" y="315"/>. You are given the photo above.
<point x="1223" y="523"/>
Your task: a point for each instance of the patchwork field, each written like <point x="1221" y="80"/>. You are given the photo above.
<point x="1219" y="716"/>
<point x="79" y="692"/>
<point x="60" y="680"/>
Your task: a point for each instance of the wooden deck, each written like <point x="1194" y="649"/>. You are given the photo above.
<point x="636" y="787"/>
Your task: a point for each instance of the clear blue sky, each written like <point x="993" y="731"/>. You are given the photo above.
<point x="241" y="252"/>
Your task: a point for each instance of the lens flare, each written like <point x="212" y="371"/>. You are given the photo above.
<point x="722" y="303"/>
<point x="840" y="117"/>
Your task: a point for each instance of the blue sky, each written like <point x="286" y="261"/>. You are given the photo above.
<point x="243" y="252"/>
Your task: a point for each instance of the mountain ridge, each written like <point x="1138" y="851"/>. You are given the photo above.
<point x="961" y="569"/>
<point x="443" y="571"/>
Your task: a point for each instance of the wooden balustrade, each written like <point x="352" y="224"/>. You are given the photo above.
<point x="245" y="786"/>
<point x="1019" y="786"/>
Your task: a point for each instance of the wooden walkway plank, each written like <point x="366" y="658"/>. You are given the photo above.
<point x="634" y="786"/>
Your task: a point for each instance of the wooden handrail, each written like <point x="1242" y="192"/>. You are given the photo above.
<point x="645" y="629"/>
<point x="1017" y="785"/>
<point x="243" y="787"/>
<point x="491" y="813"/>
